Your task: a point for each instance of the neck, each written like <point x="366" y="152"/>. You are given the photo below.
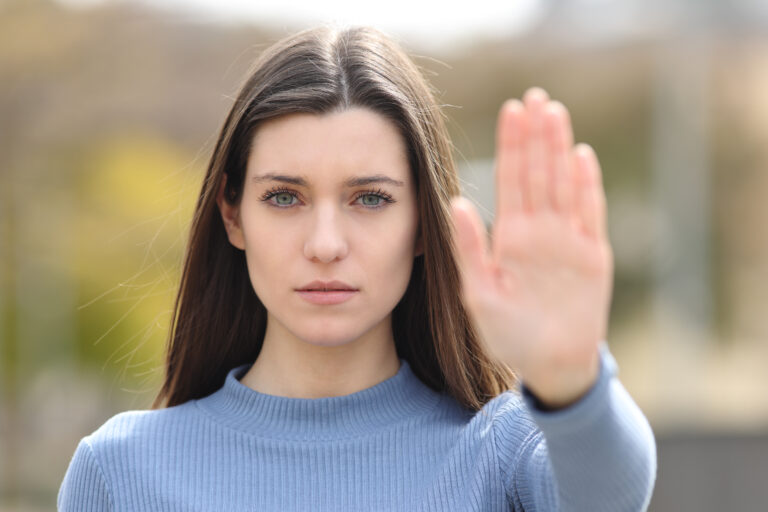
<point x="393" y="401"/>
<point x="288" y="366"/>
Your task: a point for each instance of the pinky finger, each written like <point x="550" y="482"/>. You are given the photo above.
<point x="590" y="197"/>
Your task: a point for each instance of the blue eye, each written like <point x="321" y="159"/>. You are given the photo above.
<point x="284" y="195"/>
<point x="374" y="196"/>
<point x="278" y="193"/>
<point x="379" y="194"/>
<point x="380" y="198"/>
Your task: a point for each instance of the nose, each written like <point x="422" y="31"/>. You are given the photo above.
<point x="326" y="240"/>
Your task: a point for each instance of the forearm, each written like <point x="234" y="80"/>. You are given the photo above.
<point x="600" y="450"/>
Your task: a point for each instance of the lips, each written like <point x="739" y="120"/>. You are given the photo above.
<point x="327" y="293"/>
<point x="327" y="286"/>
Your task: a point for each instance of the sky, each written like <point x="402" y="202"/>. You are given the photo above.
<point x="429" y="23"/>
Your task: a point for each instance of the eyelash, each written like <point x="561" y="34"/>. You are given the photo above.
<point x="386" y="198"/>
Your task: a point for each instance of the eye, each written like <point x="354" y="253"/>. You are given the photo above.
<point x="371" y="196"/>
<point x="383" y="198"/>
<point x="372" y="199"/>
<point x="282" y="195"/>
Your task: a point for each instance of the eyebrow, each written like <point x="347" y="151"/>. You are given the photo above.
<point x="355" y="181"/>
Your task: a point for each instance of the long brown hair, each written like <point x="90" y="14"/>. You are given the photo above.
<point x="218" y="320"/>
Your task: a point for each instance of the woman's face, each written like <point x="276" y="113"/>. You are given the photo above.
<point x="303" y="218"/>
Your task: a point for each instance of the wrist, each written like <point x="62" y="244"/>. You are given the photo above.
<point x="559" y="389"/>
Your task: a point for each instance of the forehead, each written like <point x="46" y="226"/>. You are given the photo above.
<point x="335" y="145"/>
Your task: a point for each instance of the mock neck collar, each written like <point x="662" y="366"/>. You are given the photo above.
<point x="396" y="399"/>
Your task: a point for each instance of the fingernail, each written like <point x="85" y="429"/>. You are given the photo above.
<point x="536" y="93"/>
<point x="584" y="150"/>
<point x="512" y="104"/>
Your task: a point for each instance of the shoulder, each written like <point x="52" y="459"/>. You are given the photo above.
<point x="109" y="460"/>
<point x="511" y="428"/>
<point x="137" y="427"/>
<point x="105" y="459"/>
<point x="508" y="410"/>
<point x="132" y="443"/>
<point x="505" y="418"/>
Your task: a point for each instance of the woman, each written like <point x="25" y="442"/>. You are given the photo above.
<point x="344" y="335"/>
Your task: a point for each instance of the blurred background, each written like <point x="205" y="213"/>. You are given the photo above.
<point x="109" y="111"/>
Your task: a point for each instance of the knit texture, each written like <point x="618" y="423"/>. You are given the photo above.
<point x="397" y="445"/>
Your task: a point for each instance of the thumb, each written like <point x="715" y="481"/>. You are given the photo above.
<point x="471" y="242"/>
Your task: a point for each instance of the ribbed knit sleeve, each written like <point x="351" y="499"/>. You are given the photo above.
<point x="84" y="488"/>
<point x="598" y="454"/>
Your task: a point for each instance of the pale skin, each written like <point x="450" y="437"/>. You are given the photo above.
<point x="539" y="292"/>
<point x="326" y="229"/>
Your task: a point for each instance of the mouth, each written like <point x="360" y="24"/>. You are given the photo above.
<point x="326" y="295"/>
<point x="326" y="290"/>
<point x="329" y="286"/>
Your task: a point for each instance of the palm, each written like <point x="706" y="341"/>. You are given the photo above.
<point x="540" y="294"/>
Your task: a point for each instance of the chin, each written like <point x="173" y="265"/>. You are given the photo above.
<point x="327" y="341"/>
<point x="326" y="334"/>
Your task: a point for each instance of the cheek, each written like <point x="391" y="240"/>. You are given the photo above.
<point x="394" y="255"/>
<point x="269" y="246"/>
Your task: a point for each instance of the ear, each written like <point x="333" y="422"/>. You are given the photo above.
<point x="419" y="249"/>
<point x="231" y="217"/>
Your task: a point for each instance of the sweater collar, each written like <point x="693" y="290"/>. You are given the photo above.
<point x="399" y="398"/>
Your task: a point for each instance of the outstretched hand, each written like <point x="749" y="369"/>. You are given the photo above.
<point x="540" y="296"/>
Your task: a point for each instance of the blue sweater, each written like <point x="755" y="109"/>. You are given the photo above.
<point x="397" y="445"/>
